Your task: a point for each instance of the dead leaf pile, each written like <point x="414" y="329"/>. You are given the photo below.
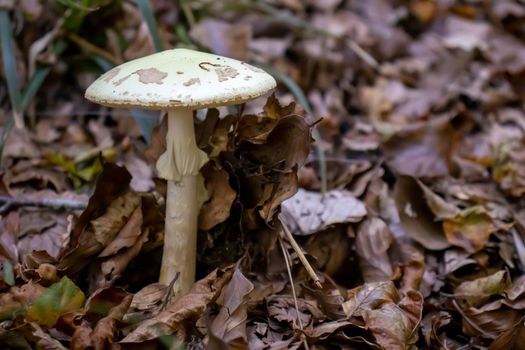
<point x="418" y="240"/>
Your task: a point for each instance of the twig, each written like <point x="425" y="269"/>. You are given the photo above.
<point x="472" y="324"/>
<point x="288" y="264"/>
<point x="362" y="54"/>
<point x="169" y="292"/>
<point x="288" y="235"/>
<point x="55" y="203"/>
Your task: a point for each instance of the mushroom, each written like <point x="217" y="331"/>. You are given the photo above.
<point x="180" y="81"/>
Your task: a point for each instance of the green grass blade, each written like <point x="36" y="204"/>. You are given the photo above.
<point x="147" y="13"/>
<point x="30" y="91"/>
<point x="9" y="273"/>
<point x="146" y="120"/>
<point x="9" y="60"/>
<point x="32" y="88"/>
<point x="301" y="98"/>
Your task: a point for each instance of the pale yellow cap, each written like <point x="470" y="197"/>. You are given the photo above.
<point x="180" y="78"/>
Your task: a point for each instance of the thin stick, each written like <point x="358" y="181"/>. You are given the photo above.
<point x="169" y="292"/>
<point x="286" y="232"/>
<point x="54" y="203"/>
<point x="288" y="264"/>
<point x="475" y="326"/>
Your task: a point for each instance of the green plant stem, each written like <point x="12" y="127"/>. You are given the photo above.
<point x="147" y="13"/>
<point x="9" y="60"/>
<point x="30" y="91"/>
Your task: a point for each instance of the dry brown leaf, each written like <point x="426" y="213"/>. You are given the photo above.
<point x="188" y="307"/>
<point x="111" y="184"/>
<point x="286" y="146"/>
<point x="415" y="215"/>
<point x="222" y="196"/>
<point x="372" y="243"/>
<point x="310" y="212"/>
<point x="230" y="323"/>
<point x="391" y="319"/>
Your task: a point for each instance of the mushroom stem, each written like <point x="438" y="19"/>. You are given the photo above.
<point x="180" y="166"/>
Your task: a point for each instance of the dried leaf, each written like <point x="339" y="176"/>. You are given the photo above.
<point x="230" y="324"/>
<point x="416" y="217"/>
<point x="188" y="307"/>
<point x="373" y="241"/>
<point x="222" y="196"/>
<point x="310" y="212"/>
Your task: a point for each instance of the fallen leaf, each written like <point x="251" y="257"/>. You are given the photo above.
<point x="310" y="212"/>
<point x="478" y="291"/>
<point x="222" y="196"/>
<point x="230" y="323"/>
<point x="372" y="243"/>
<point x="415" y="215"/>
<point x="60" y="298"/>
<point x="188" y="307"/>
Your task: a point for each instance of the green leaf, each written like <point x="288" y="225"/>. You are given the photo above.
<point x="8" y="272"/>
<point x="60" y="298"/>
<point x="77" y="172"/>
<point x="479" y="291"/>
<point x="147" y="120"/>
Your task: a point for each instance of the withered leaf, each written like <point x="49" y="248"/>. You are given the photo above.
<point x="287" y="145"/>
<point x="373" y="240"/>
<point x="188" y="307"/>
<point x="391" y="320"/>
<point x="222" y="196"/>
<point x="309" y="212"/>
<point x="111" y="184"/>
<point x="415" y="215"/>
<point x="230" y="324"/>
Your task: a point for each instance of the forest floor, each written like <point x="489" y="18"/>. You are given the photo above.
<point x="392" y="153"/>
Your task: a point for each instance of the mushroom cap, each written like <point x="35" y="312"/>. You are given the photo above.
<point x="180" y="78"/>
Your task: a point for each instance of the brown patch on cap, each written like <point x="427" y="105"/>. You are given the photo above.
<point x="121" y="80"/>
<point x="252" y="68"/>
<point x="151" y="76"/>
<point x="110" y="74"/>
<point x="226" y="72"/>
<point x="179" y="72"/>
<point x="192" y="81"/>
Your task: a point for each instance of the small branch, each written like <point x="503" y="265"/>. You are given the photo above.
<point x="469" y="321"/>
<point x="288" y="261"/>
<point x="169" y="292"/>
<point x="8" y="203"/>
<point x="288" y="235"/>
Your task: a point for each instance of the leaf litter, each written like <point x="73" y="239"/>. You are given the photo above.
<point x="419" y="241"/>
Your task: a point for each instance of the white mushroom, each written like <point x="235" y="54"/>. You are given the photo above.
<point x="180" y="81"/>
